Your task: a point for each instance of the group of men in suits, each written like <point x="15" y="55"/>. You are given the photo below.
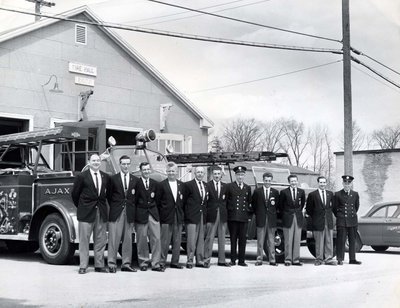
<point x="158" y="210"/>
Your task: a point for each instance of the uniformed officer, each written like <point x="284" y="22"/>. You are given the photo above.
<point x="238" y="196"/>
<point x="346" y="203"/>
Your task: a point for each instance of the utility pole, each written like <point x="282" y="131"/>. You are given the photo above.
<point x="348" y="117"/>
<point x="38" y="5"/>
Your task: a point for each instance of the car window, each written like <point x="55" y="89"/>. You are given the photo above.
<point x="381" y="212"/>
<point x="394" y="211"/>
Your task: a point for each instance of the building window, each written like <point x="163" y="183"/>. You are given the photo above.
<point x="80" y="34"/>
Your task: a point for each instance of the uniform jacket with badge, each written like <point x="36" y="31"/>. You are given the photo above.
<point x="118" y="199"/>
<point x="238" y="202"/>
<point x="345" y="208"/>
<point x="319" y="211"/>
<point x="263" y="207"/>
<point x="216" y="202"/>
<point x="87" y="199"/>
<point x="146" y="201"/>
<point x="167" y="206"/>
<point x="290" y="208"/>
<point x="194" y="205"/>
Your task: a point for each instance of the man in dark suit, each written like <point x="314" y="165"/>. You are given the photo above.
<point x="346" y="203"/>
<point x="265" y="203"/>
<point x="291" y="204"/>
<point x="238" y="196"/>
<point x="319" y="208"/>
<point x="89" y="196"/>
<point x="170" y="207"/>
<point x="147" y="220"/>
<point x="216" y="217"/>
<point x="121" y="217"/>
<point x="196" y="194"/>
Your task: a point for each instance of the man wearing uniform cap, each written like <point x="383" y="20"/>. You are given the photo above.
<point x="346" y="203"/>
<point x="238" y="198"/>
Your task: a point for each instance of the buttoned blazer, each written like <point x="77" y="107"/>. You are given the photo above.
<point x="87" y="199"/>
<point x="118" y="200"/>
<point x="290" y="208"/>
<point x="214" y="203"/>
<point x="238" y="202"/>
<point x="167" y="206"/>
<point x="263" y="207"/>
<point x="194" y="206"/>
<point x="345" y="208"/>
<point x="146" y="201"/>
<point x="318" y="211"/>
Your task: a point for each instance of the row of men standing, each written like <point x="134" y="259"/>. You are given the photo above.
<point x="158" y="211"/>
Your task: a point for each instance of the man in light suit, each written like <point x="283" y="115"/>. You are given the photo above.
<point x="319" y="208"/>
<point x="89" y="196"/>
<point x="147" y="220"/>
<point x="291" y="204"/>
<point x="121" y="217"/>
<point x="216" y="217"/>
<point x="265" y="204"/>
<point x="196" y="194"/>
<point x="170" y="207"/>
<point x="346" y="203"/>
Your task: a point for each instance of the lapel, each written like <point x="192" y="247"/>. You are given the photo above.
<point x="120" y="183"/>
<point x="89" y="175"/>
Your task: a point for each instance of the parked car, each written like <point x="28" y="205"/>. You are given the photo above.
<point x="380" y="226"/>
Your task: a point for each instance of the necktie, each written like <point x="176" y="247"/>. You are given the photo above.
<point x="323" y="197"/>
<point x="97" y="183"/>
<point x="217" y="189"/>
<point x="267" y="194"/>
<point x="125" y="185"/>
<point x="201" y="190"/>
<point x="147" y="184"/>
<point x="294" y="194"/>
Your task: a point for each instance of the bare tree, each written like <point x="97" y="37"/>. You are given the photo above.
<point x="318" y="147"/>
<point x="242" y="135"/>
<point x="359" y="137"/>
<point x="272" y="135"/>
<point x="295" y="141"/>
<point x="387" y="137"/>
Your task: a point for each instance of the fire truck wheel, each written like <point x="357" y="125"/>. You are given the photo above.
<point x="54" y="243"/>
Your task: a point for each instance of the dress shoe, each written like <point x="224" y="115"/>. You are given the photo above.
<point x="158" y="269"/>
<point x="178" y="266"/>
<point x="189" y="266"/>
<point x="232" y="263"/>
<point x="143" y="268"/>
<point x="318" y="263"/>
<point x="330" y="262"/>
<point x="297" y="264"/>
<point x="339" y="262"/>
<point x="288" y="263"/>
<point x="200" y="265"/>
<point x="100" y="270"/>
<point x="224" y="264"/>
<point x="258" y="263"/>
<point x="112" y="270"/>
<point x="127" y="268"/>
<point x="355" y="262"/>
<point x="273" y="263"/>
<point x="82" y="271"/>
<point x="242" y="264"/>
<point x="206" y="265"/>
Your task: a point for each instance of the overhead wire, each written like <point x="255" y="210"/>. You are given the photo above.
<point x="182" y="35"/>
<point x="371" y="58"/>
<point x="376" y="79"/>
<point x="266" y="78"/>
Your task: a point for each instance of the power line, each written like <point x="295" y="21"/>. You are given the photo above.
<point x="246" y="22"/>
<point x="265" y="78"/>
<point x="376" y="61"/>
<point x="183" y="35"/>
<point x="376" y="72"/>
<point x="201" y="14"/>
<point x="376" y="79"/>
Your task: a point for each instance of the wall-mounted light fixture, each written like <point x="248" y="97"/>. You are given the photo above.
<point x="55" y="89"/>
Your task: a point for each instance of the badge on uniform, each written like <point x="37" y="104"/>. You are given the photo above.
<point x="272" y="200"/>
<point x="223" y="197"/>
<point x="152" y="194"/>
<point x="181" y="196"/>
<point x="133" y="191"/>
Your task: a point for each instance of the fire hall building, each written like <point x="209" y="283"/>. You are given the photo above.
<point x="56" y="71"/>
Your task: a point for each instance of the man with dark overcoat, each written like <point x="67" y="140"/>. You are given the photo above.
<point x="346" y="203"/>
<point x="319" y="209"/>
<point x="265" y="207"/>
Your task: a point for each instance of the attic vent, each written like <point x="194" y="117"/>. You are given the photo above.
<point x="80" y="34"/>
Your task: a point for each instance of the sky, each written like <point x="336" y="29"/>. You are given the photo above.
<point x="205" y="72"/>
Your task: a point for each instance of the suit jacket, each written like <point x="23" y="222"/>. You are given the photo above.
<point x="345" y="208"/>
<point x="318" y="211"/>
<point x="117" y="199"/>
<point x="263" y="207"/>
<point x="194" y="205"/>
<point x="167" y="206"/>
<point x="87" y="199"/>
<point x="290" y="208"/>
<point x="214" y="203"/>
<point x="146" y="201"/>
<point x="238" y="202"/>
